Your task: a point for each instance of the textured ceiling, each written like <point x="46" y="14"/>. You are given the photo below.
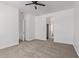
<point x="51" y="6"/>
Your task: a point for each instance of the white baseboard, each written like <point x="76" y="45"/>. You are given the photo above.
<point x="9" y="45"/>
<point x="38" y="38"/>
<point x="29" y="39"/>
<point x="35" y="39"/>
<point x="76" y="47"/>
<point x="63" y="41"/>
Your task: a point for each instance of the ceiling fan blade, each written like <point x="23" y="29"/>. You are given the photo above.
<point x="40" y="4"/>
<point x="29" y="4"/>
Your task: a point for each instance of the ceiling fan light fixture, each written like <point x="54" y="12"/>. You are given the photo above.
<point x="35" y="3"/>
<point x="35" y="7"/>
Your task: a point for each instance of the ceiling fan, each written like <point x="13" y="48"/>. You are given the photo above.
<point x="35" y="3"/>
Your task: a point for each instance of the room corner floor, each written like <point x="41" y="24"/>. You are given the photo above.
<point x="39" y="49"/>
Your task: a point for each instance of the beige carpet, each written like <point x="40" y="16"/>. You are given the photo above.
<point x="39" y="49"/>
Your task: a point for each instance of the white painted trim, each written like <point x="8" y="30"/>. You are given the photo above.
<point x="75" y="47"/>
<point x="62" y="41"/>
<point x="9" y="45"/>
<point x="40" y="39"/>
<point x="35" y="39"/>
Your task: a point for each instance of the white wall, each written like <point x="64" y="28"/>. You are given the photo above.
<point x="76" y="27"/>
<point x="63" y="29"/>
<point x="29" y="27"/>
<point x="63" y="26"/>
<point x="9" y="34"/>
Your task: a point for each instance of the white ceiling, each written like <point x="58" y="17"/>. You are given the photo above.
<point x="51" y="6"/>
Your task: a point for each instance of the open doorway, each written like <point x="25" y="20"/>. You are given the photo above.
<point x="50" y="28"/>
